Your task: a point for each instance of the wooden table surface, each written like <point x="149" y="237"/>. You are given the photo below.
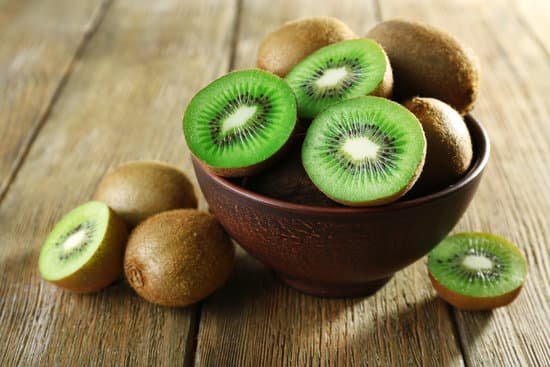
<point x="86" y="85"/>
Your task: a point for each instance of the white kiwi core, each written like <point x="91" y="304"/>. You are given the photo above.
<point x="360" y="148"/>
<point x="74" y="241"/>
<point x="477" y="262"/>
<point x="238" y="118"/>
<point x="332" y="77"/>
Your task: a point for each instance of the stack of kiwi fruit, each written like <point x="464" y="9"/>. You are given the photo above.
<point x="327" y="118"/>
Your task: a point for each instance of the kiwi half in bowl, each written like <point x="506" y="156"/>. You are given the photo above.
<point x="338" y="72"/>
<point x="241" y="122"/>
<point x="477" y="271"/>
<point x="286" y="46"/>
<point x="84" y="251"/>
<point x="364" y="151"/>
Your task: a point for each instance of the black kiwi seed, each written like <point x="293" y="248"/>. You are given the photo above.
<point x="338" y="91"/>
<point x="381" y="165"/>
<point x="89" y="229"/>
<point x="254" y="126"/>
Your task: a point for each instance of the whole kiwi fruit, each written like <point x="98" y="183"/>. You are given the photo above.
<point x="429" y="62"/>
<point x="138" y="189"/>
<point x="449" y="145"/>
<point x="293" y="41"/>
<point x="178" y="257"/>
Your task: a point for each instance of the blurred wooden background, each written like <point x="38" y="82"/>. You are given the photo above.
<point x="86" y="85"/>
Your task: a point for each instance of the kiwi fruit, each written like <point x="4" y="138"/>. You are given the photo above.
<point x="178" y="257"/>
<point x="288" y="181"/>
<point x="429" y="62"/>
<point x="84" y="251"/>
<point x="241" y="122"/>
<point x="136" y="190"/>
<point x="293" y="41"/>
<point x="477" y="271"/>
<point x="449" y="145"/>
<point x="338" y="72"/>
<point x="364" y="151"/>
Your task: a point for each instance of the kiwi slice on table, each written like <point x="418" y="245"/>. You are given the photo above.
<point x="338" y="72"/>
<point x="84" y="251"/>
<point x="240" y="123"/>
<point x="477" y="271"/>
<point x="364" y="151"/>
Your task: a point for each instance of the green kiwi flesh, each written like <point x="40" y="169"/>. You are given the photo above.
<point x="429" y="62"/>
<point x="364" y="151"/>
<point x="338" y="72"/>
<point x="178" y="257"/>
<point x="139" y="189"/>
<point x="293" y="41"/>
<point x="84" y="251"/>
<point x="449" y="145"/>
<point x="241" y="122"/>
<point x="476" y="271"/>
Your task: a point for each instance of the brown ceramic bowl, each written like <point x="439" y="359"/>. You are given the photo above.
<point x="341" y="251"/>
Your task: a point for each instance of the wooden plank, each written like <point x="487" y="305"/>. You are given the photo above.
<point x="123" y="101"/>
<point x="38" y="44"/>
<point x="533" y="16"/>
<point x="510" y="202"/>
<point x="256" y="321"/>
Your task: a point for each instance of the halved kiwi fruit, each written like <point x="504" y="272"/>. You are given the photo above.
<point x="429" y="62"/>
<point x="286" y="46"/>
<point x="338" y="72"/>
<point x="84" y="251"/>
<point x="449" y="150"/>
<point x="477" y="271"/>
<point x="240" y="123"/>
<point x="364" y="151"/>
<point x="178" y="257"/>
<point x="139" y="189"/>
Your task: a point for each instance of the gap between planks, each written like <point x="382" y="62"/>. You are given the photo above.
<point x="196" y="315"/>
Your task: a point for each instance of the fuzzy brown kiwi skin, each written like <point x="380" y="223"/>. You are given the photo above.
<point x="283" y="48"/>
<point x="193" y="257"/>
<point x="138" y="189"/>
<point x="449" y="144"/>
<point x="469" y="303"/>
<point x="288" y="181"/>
<point x="105" y="266"/>
<point x="385" y="88"/>
<point x="429" y="62"/>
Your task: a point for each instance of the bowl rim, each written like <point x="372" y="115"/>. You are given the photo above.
<point x="482" y="147"/>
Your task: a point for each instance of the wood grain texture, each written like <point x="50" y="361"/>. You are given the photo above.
<point x="256" y="321"/>
<point x="38" y="44"/>
<point x="512" y="200"/>
<point x="533" y="17"/>
<point x="124" y="100"/>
